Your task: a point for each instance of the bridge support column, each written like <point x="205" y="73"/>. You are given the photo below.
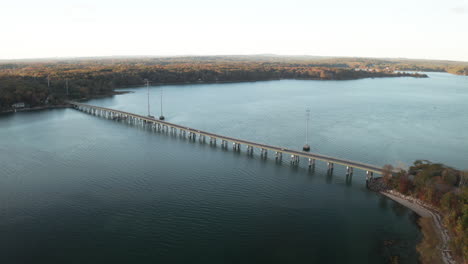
<point x="294" y="160"/>
<point x="311" y="162"/>
<point x="264" y="153"/>
<point x="235" y="146"/>
<point x="349" y="170"/>
<point x="278" y="156"/>
<point x="224" y="144"/>
<point x="213" y="141"/>
<point x="249" y="150"/>
<point x="369" y="175"/>
<point x="330" y="166"/>
<point x="192" y="136"/>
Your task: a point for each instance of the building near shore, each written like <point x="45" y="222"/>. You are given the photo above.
<point x="18" y="105"/>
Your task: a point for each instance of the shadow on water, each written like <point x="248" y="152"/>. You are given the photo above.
<point x="399" y="209"/>
<point x="329" y="178"/>
<point x="383" y="202"/>
<point x="349" y="179"/>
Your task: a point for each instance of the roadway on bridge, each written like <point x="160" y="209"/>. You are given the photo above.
<point x="316" y="156"/>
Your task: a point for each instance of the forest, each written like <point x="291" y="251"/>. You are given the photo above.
<point x="44" y="82"/>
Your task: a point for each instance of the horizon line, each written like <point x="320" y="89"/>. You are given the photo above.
<point x="212" y="55"/>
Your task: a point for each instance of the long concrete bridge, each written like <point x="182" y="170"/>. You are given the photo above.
<point x="193" y="133"/>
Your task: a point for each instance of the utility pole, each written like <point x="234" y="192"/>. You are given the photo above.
<point x="306" y="146"/>
<point x="162" y="116"/>
<point x="147" y="90"/>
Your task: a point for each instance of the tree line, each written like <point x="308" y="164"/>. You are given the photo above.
<point x="39" y="83"/>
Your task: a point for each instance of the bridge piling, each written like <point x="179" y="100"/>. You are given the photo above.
<point x="294" y="160"/>
<point x="311" y="162"/>
<point x="235" y="146"/>
<point x="264" y="153"/>
<point x="278" y="156"/>
<point x="249" y="150"/>
<point x="212" y="141"/>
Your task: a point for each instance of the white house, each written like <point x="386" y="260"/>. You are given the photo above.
<point x="18" y="105"/>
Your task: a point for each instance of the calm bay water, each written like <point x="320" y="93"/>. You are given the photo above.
<point x="79" y="189"/>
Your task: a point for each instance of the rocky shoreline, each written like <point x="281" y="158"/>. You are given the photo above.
<point x="420" y="208"/>
<point x="377" y="185"/>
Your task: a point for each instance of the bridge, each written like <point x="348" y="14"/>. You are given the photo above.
<point x="193" y="133"/>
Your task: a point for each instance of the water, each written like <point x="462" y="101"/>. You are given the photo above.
<point x="75" y="188"/>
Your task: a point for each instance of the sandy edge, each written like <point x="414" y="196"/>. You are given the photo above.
<point x="424" y="210"/>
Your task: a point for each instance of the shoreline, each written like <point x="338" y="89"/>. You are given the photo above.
<point x="425" y="211"/>
<point x="61" y="106"/>
<point x="420" y="75"/>
<point x="36" y="108"/>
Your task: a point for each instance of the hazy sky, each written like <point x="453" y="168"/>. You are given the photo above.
<point x="371" y="28"/>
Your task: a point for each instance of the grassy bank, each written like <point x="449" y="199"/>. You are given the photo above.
<point x="430" y="241"/>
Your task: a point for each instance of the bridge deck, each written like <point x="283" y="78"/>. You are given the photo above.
<point x="316" y="156"/>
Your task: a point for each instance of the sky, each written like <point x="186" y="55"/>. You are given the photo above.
<point x="424" y="29"/>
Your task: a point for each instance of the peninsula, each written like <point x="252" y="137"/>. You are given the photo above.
<point x="439" y="194"/>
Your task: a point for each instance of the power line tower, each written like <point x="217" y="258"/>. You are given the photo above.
<point x="306" y="146"/>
